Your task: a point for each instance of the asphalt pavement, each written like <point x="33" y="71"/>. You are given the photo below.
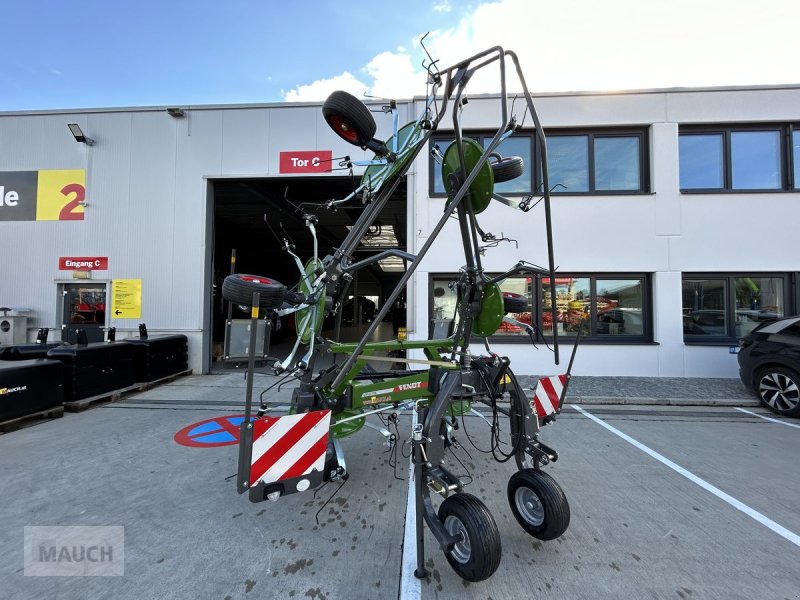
<point x="667" y="501"/>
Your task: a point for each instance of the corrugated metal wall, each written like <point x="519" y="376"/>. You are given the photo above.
<point x="146" y="180"/>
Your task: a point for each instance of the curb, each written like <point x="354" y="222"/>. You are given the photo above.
<point x="662" y="401"/>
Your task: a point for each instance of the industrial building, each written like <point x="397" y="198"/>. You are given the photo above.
<point x="674" y="211"/>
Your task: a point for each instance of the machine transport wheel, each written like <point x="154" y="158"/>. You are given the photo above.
<point x="506" y="168"/>
<point x="349" y="118"/>
<point x="538" y="504"/>
<point x="238" y="289"/>
<point x="778" y="388"/>
<point x="514" y="303"/>
<point x="477" y="555"/>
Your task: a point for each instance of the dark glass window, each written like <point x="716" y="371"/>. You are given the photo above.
<point x="796" y="155"/>
<point x="704" y="307"/>
<point x="616" y="163"/>
<point x="756" y="160"/>
<point x="728" y="306"/>
<point x="517" y="145"/>
<point x="738" y="158"/>
<point x="594" y="162"/>
<point x="568" y="163"/>
<point x="603" y="162"/>
<point x="605" y="308"/>
<point x="702" y="161"/>
<point x="757" y="299"/>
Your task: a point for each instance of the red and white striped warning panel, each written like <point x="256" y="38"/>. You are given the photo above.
<point x="289" y="446"/>
<point x="547" y="395"/>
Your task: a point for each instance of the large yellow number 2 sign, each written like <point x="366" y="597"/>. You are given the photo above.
<point x="60" y="195"/>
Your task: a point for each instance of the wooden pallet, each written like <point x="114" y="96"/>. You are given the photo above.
<point x="114" y="395"/>
<point x="148" y="385"/>
<point x="55" y="412"/>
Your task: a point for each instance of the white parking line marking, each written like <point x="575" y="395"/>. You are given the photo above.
<point x="410" y="586"/>
<point x="750" y="512"/>
<point x="767" y="418"/>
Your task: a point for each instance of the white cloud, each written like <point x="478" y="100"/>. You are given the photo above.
<point x="590" y="45"/>
<point x="444" y="6"/>
<point x="322" y="88"/>
<point x="394" y="75"/>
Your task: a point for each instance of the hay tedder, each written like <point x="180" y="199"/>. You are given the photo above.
<point x="282" y="455"/>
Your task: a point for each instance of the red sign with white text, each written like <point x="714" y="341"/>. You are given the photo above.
<point x="302" y="161"/>
<point x="82" y="263"/>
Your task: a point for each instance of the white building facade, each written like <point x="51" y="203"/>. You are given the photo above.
<point x="675" y="217"/>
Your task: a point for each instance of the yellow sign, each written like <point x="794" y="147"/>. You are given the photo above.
<point x="126" y="299"/>
<point x="61" y="195"/>
<point x="52" y="195"/>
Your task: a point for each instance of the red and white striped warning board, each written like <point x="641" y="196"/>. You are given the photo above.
<point x="547" y="395"/>
<point x="288" y="447"/>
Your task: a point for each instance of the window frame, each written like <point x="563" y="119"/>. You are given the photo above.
<point x="591" y="337"/>
<point x="789" y="302"/>
<point x="785" y="152"/>
<point x="606" y="132"/>
<point x="479" y="135"/>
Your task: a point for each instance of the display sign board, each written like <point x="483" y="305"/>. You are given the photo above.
<point x="317" y="161"/>
<point x="82" y="263"/>
<point x="53" y="195"/>
<point x="126" y="299"/>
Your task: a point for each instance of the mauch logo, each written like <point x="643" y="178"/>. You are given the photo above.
<point x="74" y="551"/>
<point x="75" y="554"/>
<point x="21" y="388"/>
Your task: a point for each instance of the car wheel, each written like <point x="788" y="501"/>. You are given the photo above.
<point x="779" y="390"/>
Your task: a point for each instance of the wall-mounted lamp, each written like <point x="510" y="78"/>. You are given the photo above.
<point x="78" y="134"/>
<point x="176" y="112"/>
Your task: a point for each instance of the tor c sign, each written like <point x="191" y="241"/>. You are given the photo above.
<point x="82" y="263"/>
<point x="302" y="161"/>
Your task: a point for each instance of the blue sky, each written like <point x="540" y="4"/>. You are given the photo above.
<point x="91" y="53"/>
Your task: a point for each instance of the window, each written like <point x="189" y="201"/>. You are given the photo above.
<point x="601" y="162"/>
<point x="444" y="317"/>
<point x="741" y="158"/>
<point x="796" y="158"/>
<point x="516" y="145"/>
<point x="608" y="308"/>
<point x="579" y="162"/>
<point x="723" y="308"/>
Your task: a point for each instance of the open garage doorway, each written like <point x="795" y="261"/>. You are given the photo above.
<point x="243" y="209"/>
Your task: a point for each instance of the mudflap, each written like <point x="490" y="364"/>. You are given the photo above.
<point x="285" y="455"/>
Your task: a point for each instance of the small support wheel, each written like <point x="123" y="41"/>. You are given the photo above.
<point x="476" y="555"/>
<point x="507" y="168"/>
<point x="238" y="289"/>
<point x="538" y="504"/>
<point x="349" y="118"/>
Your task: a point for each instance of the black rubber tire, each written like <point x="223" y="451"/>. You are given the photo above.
<point x="547" y="517"/>
<point x="778" y="388"/>
<point x="477" y="557"/>
<point x="514" y="304"/>
<point x="507" y="168"/>
<point x="349" y="118"/>
<point x="239" y="288"/>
